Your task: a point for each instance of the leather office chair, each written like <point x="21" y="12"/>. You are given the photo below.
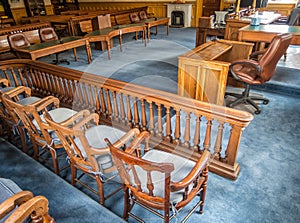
<point x="292" y="20"/>
<point x="18" y="40"/>
<point x="159" y="180"/>
<point x="48" y="34"/>
<point x="258" y="71"/>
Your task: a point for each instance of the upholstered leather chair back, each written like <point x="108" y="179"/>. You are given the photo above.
<point x="18" y="40"/>
<point x="294" y="17"/>
<point x="274" y="52"/>
<point x="143" y="15"/>
<point x="134" y="17"/>
<point x="48" y="34"/>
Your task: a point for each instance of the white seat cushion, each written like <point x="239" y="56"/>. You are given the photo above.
<point x="182" y="167"/>
<point x="95" y="137"/>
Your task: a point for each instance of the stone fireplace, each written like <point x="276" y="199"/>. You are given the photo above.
<point x="180" y="14"/>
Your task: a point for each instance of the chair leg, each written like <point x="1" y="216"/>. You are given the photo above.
<point x="74" y="174"/>
<point x="54" y="160"/>
<point x="100" y="189"/>
<point x="126" y="203"/>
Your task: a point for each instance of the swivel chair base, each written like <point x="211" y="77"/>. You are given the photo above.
<point x="246" y="98"/>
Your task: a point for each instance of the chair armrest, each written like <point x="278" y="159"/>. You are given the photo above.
<point x="118" y="144"/>
<point x="201" y="164"/>
<point x="257" y="53"/>
<point x="145" y="135"/>
<point x="252" y="63"/>
<point x="19" y="90"/>
<point x="15" y="200"/>
<point x="4" y="81"/>
<point x="44" y="102"/>
<point x="36" y="208"/>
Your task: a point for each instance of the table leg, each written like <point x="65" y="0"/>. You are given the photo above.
<point x="144" y="35"/>
<point x="168" y="29"/>
<point x="108" y="47"/>
<point x="75" y="54"/>
<point x="88" y="51"/>
<point x="120" y="40"/>
<point x="148" y="32"/>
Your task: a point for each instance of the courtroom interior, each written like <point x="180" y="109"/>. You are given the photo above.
<point x="149" y="111"/>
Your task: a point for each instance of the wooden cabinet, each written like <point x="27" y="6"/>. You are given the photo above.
<point x="35" y="7"/>
<point x="203" y="71"/>
<point x="210" y="6"/>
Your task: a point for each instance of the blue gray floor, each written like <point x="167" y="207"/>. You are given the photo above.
<point x="268" y="187"/>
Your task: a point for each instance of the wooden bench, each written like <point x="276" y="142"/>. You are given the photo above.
<point x="30" y="30"/>
<point x="178" y="124"/>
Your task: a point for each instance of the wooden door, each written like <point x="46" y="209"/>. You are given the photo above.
<point x="210" y="6"/>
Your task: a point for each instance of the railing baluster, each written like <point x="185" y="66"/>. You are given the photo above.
<point x="144" y="118"/>
<point x="136" y="113"/>
<point x="122" y="108"/>
<point x="159" y="122"/>
<point x="168" y="125"/>
<point x="206" y="143"/>
<point x="218" y="144"/>
<point x="197" y="134"/>
<point x="116" y="109"/>
<point x="187" y="130"/>
<point x="129" y="113"/>
<point x="177" y="132"/>
<point x="151" y="117"/>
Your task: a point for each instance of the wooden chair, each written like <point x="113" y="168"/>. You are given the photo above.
<point x="20" y="95"/>
<point x="18" y="40"/>
<point x="41" y="135"/>
<point x="24" y="205"/>
<point x="87" y="151"/>
<point x="159" y="180"/>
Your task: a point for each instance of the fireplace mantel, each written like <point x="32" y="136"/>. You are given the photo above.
<point x="186" y="8"/>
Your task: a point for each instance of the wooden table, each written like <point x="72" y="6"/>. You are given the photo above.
<point x="108" y="33"/>
<point x="156" y="22"/>
<point x="46" y="48"/>
<point x="203" y="71"/>
<point x="265" y="33"/>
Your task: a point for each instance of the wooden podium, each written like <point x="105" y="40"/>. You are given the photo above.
<point x="203" y="71"/>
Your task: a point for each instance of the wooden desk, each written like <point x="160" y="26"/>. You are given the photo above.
<point x="46" y="48"/>
<point x="108" y="33"/>
<point x="265" y="33"/>
<point x="203" y="71"/>
<point x="156" y="22"/>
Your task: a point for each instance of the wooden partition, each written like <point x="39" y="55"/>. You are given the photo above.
<point x="183" y="125"/>
<point x="203" y="71"/>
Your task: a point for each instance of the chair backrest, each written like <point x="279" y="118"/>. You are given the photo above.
<point x="268" y="61"/>
<point x="30" y="115"/>
<point x="104" y="21"/>
<point x="143" y="15"/>
<point x="48" y="34"/>
<point x="134" y="18"/>
<point x="294" y="17"/>
<point x="18" y="40"/>
<point x="150" y="182"/>
<point x="74" y="140"/>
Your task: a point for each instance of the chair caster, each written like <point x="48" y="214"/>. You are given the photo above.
<point x="257" y="112"/>
<point x="265" y="102"/>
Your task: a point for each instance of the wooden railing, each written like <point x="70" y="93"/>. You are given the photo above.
<point x="183" y="125"/>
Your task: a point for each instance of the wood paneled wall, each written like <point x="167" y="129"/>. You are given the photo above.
<point x="158" y="8"/>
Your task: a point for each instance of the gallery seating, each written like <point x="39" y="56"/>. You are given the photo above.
<point x="251" y="72"/>
<point x="22" y="206"/>
<point x="173" y="120"/>
<point x="87" y="151"/>
<point x="41" y="136"/>
<point x="158" y="180"/>
<point x="14" y="127"/>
